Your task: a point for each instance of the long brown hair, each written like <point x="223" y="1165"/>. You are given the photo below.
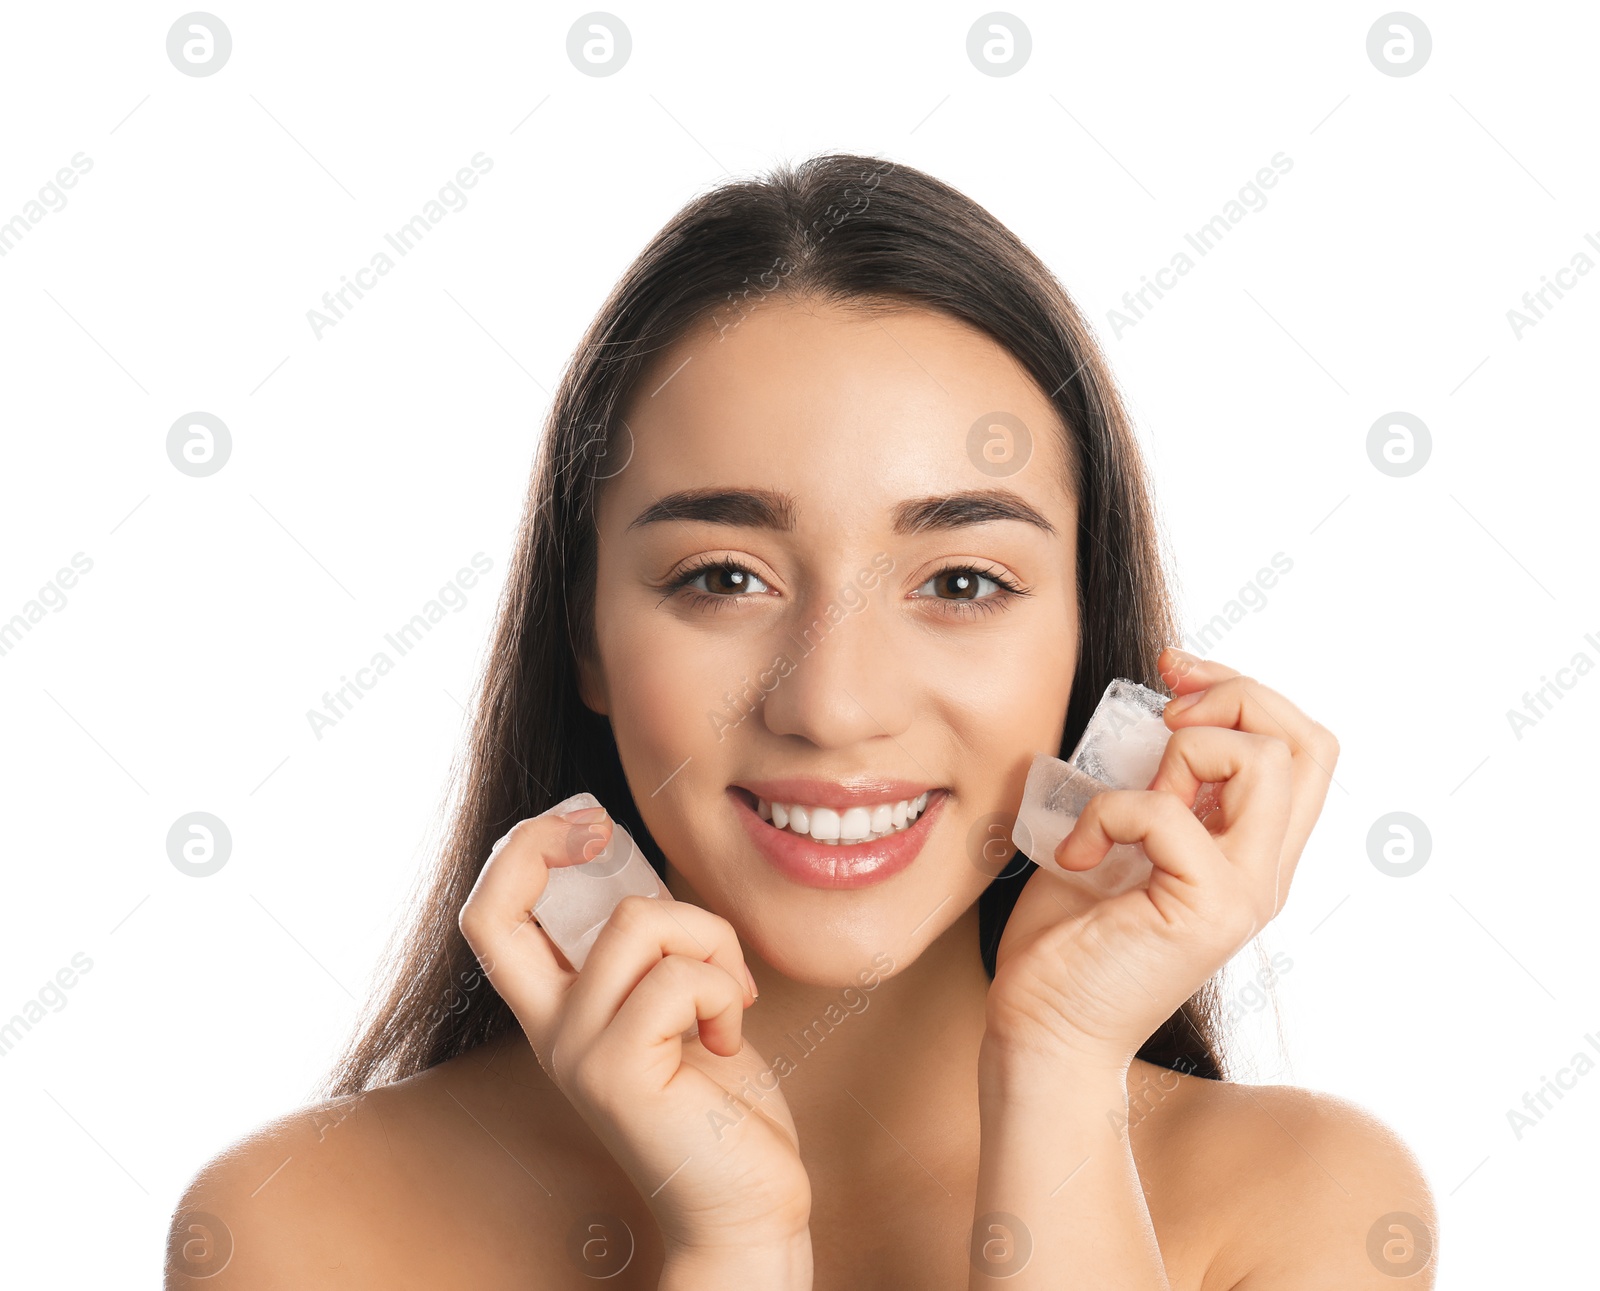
<point x="842" y="228"/>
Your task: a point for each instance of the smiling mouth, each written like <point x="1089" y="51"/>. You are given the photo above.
<point x="860" y="856"/>
<point x="865" y="823"/>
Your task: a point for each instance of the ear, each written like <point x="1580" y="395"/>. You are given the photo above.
<point x="592" y="685"/>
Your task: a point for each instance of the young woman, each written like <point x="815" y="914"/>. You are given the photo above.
<point x="837" y="508"/>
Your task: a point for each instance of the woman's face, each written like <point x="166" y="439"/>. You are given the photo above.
<point x="802" y="599"/>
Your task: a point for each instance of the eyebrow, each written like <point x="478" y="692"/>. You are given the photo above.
<point x="771" y="509"/>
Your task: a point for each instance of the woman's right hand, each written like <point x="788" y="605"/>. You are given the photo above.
<point x="718" y="1166"/>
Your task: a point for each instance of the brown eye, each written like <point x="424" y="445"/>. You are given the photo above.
<point x="959" y="585"/>
<point x="725" y="580"/>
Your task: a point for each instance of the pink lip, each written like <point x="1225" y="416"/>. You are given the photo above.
<point x="822" y="865"/>
<point x="858" y="791"/>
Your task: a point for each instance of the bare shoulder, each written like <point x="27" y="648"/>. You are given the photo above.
<point x="256" y="1214"/>
<point x="1309" y="1190"/>
<point x="447" y="1178"/>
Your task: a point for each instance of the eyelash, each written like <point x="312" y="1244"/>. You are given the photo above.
<point x="1009" y="589"/>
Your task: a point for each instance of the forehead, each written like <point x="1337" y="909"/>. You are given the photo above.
<point x="846" y="410"/>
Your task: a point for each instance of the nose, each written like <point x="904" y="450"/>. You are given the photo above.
<point x="848" y="683"/>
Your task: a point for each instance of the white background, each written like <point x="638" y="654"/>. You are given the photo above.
<point x="372" y="463"/>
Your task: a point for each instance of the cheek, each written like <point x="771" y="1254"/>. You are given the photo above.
<point x="1034" y="682"/>
<point x="682" y="699"/>
<point x="675" y="728"/>
<point x="1005" y="690"/>
<point x="662" y="690"/>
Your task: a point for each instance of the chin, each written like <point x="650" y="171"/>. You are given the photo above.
<point x="839" y="954"/>
<point x="829" y="936"/>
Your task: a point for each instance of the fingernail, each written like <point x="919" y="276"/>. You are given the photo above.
<point x="753" y="992"/>
<point x="1183" y="655"/>
<point x="584" y="815"/>
<point x="1185" y="701"/>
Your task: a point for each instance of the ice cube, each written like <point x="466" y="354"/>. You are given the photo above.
<point x="1125" y="738"/>
<point x="1121" y="748"/>
<point x="1053" y="799"/>
<point x="578" y="899"/>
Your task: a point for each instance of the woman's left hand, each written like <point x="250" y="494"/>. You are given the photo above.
<point x="1089" y="980"/>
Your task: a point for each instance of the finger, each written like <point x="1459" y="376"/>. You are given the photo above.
<point x="497" y="917"/>
<point x="1173" y="839"/>
<point x="1253" y="773"/>
<point x="1244" y="704"/>
<point x="640" y="933"/>
<point x="1184" y="672"/>
<point x="680" y="992"/>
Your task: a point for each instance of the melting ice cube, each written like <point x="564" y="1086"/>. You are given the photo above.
<point x="1121" y="748"/>
<point x="578" y="899"/>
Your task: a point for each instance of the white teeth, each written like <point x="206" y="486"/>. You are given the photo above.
<point x="854" y="825"/>
<point x="824" y="824"/>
